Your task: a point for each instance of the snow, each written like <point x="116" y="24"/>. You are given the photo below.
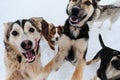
<point x="54" y="12"/>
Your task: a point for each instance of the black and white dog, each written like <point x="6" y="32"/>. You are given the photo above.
<point x="110" y="63"/>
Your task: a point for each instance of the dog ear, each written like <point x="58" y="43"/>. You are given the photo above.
<point x="7" y="27"/>
<point x="45" y="25"/>
<point x="50" y="26"/>
<point x="37" y="21"/>
<point x="61" y="28"/>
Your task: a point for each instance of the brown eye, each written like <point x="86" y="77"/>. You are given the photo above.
<point x="88" y="3"/>
<point x="15" y="33"/>
<point x="31" y="30"/>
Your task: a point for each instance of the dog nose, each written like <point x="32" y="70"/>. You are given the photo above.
<point x="26" y="45"/>
<point x="56" y="38"/>
<point x="75" y="11"/>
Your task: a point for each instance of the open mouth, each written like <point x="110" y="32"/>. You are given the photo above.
<point x="76" y="20"/>
<point x="30" y="56"/>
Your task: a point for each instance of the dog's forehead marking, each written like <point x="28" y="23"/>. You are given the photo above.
<point x="20" y="23"/>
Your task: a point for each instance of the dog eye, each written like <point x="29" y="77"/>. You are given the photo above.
<point x="15" y="33"/>
<point x="88" y="3"/>
<point x="31" y="30"/>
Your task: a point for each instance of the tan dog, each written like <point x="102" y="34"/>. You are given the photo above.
<point x="73" y="43"/>
<point x="52" y="34"/>
<point x="22" y="55"/>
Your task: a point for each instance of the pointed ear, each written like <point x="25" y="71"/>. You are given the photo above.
<point x="37" y="21"/>
<point x="7" y="27"/>
<point x="50" y="26"/>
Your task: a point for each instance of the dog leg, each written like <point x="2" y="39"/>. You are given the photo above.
<point x="78" y="74"/>
<point x="54" y="64"/>
<point x="15" y="75"/>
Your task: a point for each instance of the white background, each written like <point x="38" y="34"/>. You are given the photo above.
<point x="53" y="11"/>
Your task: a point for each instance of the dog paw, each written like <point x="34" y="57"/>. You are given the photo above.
<point x="88" y="62"/>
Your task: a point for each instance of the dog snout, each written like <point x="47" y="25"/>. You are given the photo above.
<point x="75" y="11"/>
<point x="26" y="45"/>
<point x="56" y="38"/>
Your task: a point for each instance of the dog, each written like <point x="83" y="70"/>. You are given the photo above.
<point x="110" y="12"/>
<point x="52" y="34"/>
<point x="22" y="55"/>
<point x="72" y="45"/>
<point x="110" y="62"/>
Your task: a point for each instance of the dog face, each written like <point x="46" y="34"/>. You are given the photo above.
<point x="24" y="35"/>
<point x="80" y="11"/>
<point x="115" y="62"/>
<point x="55" y="32"/>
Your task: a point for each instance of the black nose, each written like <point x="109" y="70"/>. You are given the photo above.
<point x="26" y="45"/>
<point x="56" y="38"/>
<point x="75" y="11"/>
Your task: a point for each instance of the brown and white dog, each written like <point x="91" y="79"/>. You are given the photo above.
<point x="73" y="43"/>
<point x="22" y="55"/>
<point x="52" y="34"/>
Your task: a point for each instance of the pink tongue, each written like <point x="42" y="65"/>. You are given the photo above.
<point x="74" y="18"/>
<point x="29" y="55"/>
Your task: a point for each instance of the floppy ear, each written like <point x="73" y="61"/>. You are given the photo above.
<point x="37" y="21"/>
<point x="50" y="26"/>
<point x="61" y="28"/>
<point x="7" y="27"/>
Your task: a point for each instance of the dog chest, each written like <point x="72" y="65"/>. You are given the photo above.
<point x="71" y="55"/>
<point x="75" y="32"/>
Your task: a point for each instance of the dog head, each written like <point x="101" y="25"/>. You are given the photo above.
<point x="115" y="62"/>
<point x="55" y="33"/>
<point x="24" y="35"/>
<point x="81" y="11"/>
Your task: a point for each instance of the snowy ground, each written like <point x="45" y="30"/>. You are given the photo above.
<point x="54" y="12"/>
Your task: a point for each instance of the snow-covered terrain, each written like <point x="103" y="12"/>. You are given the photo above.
<point x="54" y="12"/>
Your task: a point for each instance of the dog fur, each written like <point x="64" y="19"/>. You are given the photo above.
<point x="21" y="38"/>
<point x="110" y="63"/>
<point x="73" y="43"/>
<point x="110" y="12"/>
<point x="52" y="34"/>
